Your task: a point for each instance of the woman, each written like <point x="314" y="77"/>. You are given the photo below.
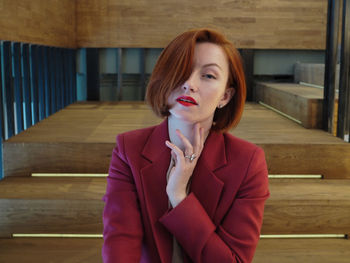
<point x="186" y="191"/>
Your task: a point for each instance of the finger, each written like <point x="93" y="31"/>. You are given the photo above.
<point x="202" y="137"/>
<point x="186" y="142"/>
<point x="174" y="158"/>
<point x="197" y="139"/>
<point x="178" y="153"/>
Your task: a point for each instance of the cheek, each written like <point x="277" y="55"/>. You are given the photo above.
<point x="171" y="99"/>
<point x="171" y="96"/>
<point x="214" y="96"/>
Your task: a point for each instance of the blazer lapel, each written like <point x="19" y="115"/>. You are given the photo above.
<point x="205" y="184"/>
<point x="153" y="177"/>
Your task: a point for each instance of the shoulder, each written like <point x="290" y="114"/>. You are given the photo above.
<point x="235" y="146"/>
<point x="249" y="160"/>
<point x="130" y="144"/>
<point x="245" y="156"/>
<point x="134" y="137"/>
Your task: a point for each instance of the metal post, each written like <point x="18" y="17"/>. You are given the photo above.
<point x="1" y="117"/>
<point x="92" y="74"/>
<point x="52" y="67"/>
<point x="248" y="60"/>
<point x="142" y="73"/>
<point x="26" y="86"/>
<point x="9" y="125"/>
<point x="120" y="75"/>
<point x="74" y="74"/>
<point x="57" y="79"/>
<point x="343" y="128"/>
<point x="66" y="69"/>
<point x="17" y="75"/>
<point x="330" y="64"/>
<point x="41" y="87"/>
<point x="46" y="82"/>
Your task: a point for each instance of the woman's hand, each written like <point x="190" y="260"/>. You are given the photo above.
<point x="182" y="171"/>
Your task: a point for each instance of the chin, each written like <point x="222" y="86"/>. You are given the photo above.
<point x="183" y="116"/>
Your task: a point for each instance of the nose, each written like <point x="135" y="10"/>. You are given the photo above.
<point x="190" y="84"/>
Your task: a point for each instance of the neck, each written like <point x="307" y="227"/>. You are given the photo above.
<point x="186" y="128"/>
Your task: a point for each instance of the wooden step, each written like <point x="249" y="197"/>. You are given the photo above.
<point x="80" y="139"/>
<point x="51" y="205"/>
<point x="303" y="103"/>
<point x="309" y="206"/>
<point x="76" y="250"/>
<point x="312" y="73"/>
<point x="54" y="250"/>
<point x="74" y="205"/>
<point x="302" y="250"/>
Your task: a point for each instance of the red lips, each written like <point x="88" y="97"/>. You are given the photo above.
<point x="186" y="101"/>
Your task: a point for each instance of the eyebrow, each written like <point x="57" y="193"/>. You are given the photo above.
<point x="212" y="64"/>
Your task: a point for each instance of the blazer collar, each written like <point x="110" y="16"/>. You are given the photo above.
<point x="155" y="145"/>
<point x="213" y="155"/>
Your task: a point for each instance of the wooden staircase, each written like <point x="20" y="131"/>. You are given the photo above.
<point x="301" y="101"/>
<point x="79" y="140"/>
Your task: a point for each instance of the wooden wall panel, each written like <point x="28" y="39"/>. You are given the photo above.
<point x="44" y="22"/>
<point x="257" y="24"/>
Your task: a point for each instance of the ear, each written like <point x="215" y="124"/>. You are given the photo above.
<point x="229" y="93"/>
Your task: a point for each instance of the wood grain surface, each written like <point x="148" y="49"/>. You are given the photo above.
<point x="43" y="22"/>
<point x="74" y="205"/>
<point x="50" y="216"/>
<point x="56" y="157"/>
<point x="80" y="139"/>
<point x="257" y="24"/>
<point x="301" y="102"/>
<point x="302" y="250"/>
<point x="53" y="250"/>
<point x="307" y="207"/>
<point x="100" y="122"/>
<point x="76" y="250"/>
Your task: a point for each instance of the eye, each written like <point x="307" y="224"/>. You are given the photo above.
<point x="208" y="76"/>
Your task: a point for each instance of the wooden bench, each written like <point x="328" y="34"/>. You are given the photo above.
<point x="88" y="250"/>
<point x="54" y="250"/>
<point x="302" y="103"/>
<point x="74" y="205"/>
<point x="80" y="139"/>
<point x="302" y="250"/>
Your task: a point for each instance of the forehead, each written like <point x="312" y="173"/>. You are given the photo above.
<point x="209" y="53"/>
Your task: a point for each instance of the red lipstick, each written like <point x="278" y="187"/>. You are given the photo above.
<point x="186" y="101"/>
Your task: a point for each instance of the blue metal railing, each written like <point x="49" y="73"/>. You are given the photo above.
<point x="35" y="82"/>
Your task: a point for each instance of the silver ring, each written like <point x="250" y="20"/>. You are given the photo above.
<point x="191" y="157"/>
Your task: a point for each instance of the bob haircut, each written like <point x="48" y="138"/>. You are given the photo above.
<point x="174" y="67"/>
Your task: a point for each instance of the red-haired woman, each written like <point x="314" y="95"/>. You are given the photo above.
<point x="185" y="190"/>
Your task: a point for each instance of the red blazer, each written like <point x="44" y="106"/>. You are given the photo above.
<point x="219" y="221"/>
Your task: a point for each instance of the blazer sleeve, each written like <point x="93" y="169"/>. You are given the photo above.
<point x="123" y="231"/>
<point x="236" y="238"/>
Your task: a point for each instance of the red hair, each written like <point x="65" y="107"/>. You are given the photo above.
<point x="174" y="67"/>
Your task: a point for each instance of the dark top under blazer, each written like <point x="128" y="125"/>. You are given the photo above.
<point x="219" y="221"/>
